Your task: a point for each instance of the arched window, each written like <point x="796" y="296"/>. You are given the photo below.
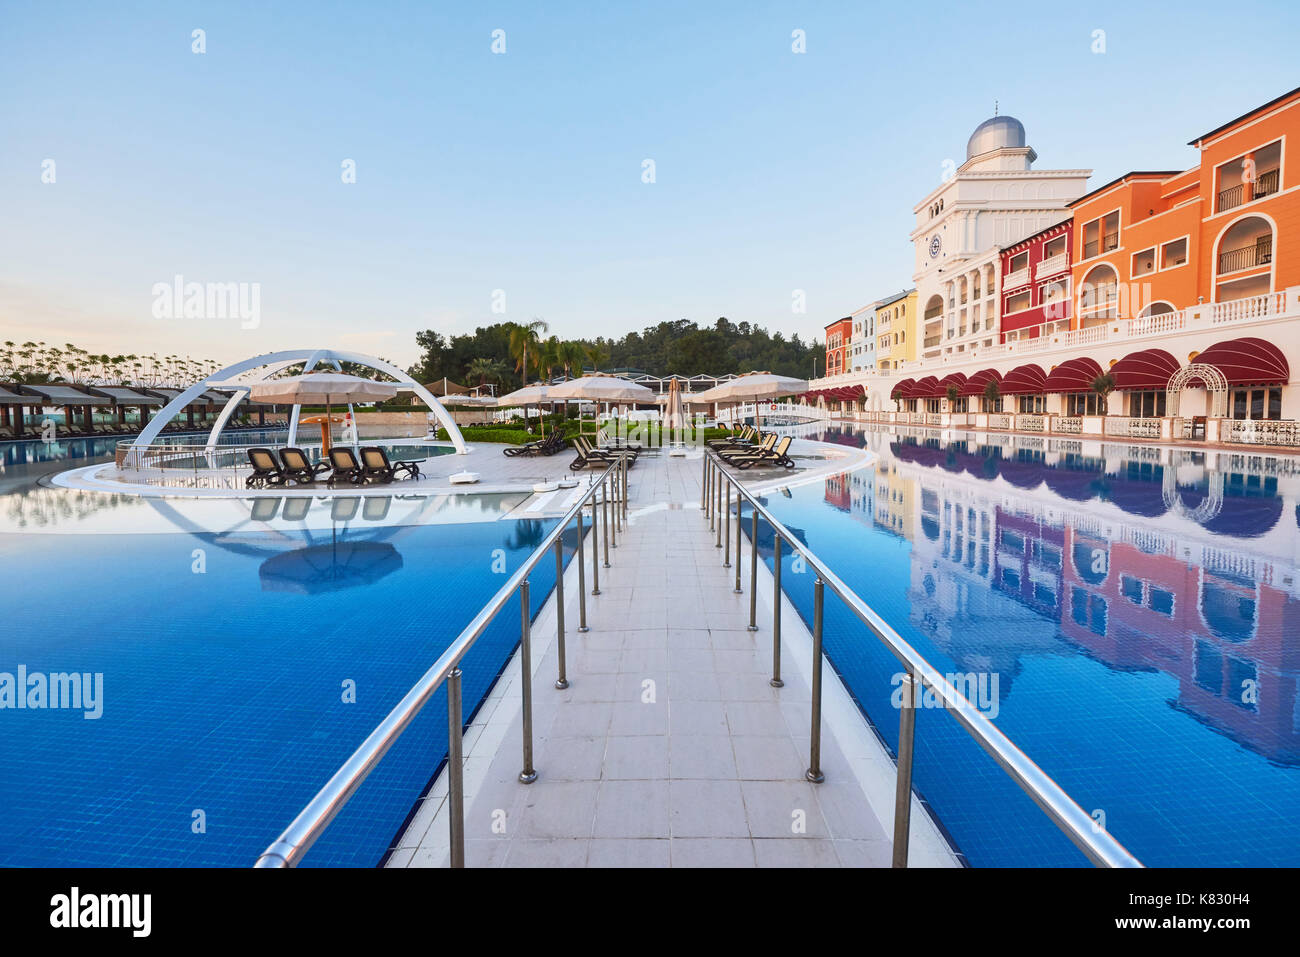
<point x="1099" y="295"/>
<point x="1243" y="259"/>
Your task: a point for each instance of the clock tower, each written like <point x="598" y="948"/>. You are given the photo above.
<point x="993" y="199"/>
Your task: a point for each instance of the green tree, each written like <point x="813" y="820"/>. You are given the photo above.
<point x="1103" y="385"/>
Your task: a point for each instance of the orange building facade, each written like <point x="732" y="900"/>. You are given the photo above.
<point x="1155" y="242"/>
<point x="839" y="336"/>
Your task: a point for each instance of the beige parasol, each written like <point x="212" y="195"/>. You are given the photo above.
<point x="321" y="388"/>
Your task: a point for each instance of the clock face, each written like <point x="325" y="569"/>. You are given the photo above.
<point x="935" y="245"/>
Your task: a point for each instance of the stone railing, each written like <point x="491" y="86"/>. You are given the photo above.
<point x="1001" y="420"/>
<point x="1262" y="431"/>
<point x="1202" y="316"/>
<point x="1134" y="428"/>
<point x="1031" y="423"/>
<point x="1014" y="280"/>
<point x="1069" y="424"/>
<point x="1052" y="265"/>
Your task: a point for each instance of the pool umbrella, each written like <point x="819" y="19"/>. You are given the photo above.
<point x="599" y="387"/>
<point x="537" y="392"/>
<point x="753" y="386"/>
<point x="674" y="411"/>
<point x="326" y="568"/>
<point x="321" y="388"/>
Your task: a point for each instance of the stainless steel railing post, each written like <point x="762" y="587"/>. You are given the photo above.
<point x="708" y="491"/>
<point x="529" y="774"/>
<point x="903" y="789"/>
<point x="455" y="770"/>
<point x="626" y="496"/>
<point x="814" y="773"/>
<point x="726" y="521"/>
<point x="719" y="479"/>
<point x="739" y="523"/>
<point x="611" y="498"/>
<point x="582" y="579"/>
<point x="562" y="681"/>
<point x="595" y="547"/>
<point x="776" y="681"/>
<point x="604" y="516"/>
<point x="753" y="569"/>
<point x="704" y="483"/>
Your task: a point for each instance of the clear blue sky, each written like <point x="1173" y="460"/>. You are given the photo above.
<point x="522" y="172"/>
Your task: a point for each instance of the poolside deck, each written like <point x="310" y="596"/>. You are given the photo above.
<point x="670" y="747"/>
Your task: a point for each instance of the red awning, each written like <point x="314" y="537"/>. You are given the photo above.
<point x="977" y="383"/>
<point x="1073" y="375"/>
<point x="902" y="389"/>
<point x="952" y="378"/>
<point x="1247" y="362"/>
<point x="1148" y="369"/>
<point x="927" y="388"/>
<point x="1024" y="380"/>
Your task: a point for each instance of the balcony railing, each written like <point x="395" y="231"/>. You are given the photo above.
<point x="1266" y="183"/>
<point x="1016" y="279"/>
<point x="1048" y="338"/>
<point x="1052" y="265"/>
<point x="1258" y="253"/>
<point x="1094" y="248"/>
<point x="932" y="341"/>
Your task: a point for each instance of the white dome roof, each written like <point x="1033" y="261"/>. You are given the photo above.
<point x="995" y="133"/>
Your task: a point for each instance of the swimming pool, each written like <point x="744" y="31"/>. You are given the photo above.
<point x="1138" y="608"/>
<point x="245" y="650"/>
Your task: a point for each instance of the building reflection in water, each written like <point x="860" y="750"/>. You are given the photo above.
<point x="1145" y="559"/>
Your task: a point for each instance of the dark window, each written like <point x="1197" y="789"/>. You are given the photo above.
<point x="1240" y="672"/>
<point x="1079" y="606"/>
<point x="1162" y="601"/>
<point x="1132" y="588"/>
<point x="1209" y="667"/>
<point x="1097" y="615"/>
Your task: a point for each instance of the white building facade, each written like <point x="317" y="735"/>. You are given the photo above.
<point x="992" y="200"/>
<point x="864" y="339"/>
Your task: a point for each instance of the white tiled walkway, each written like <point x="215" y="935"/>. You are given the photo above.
<point x="669" y="747"/>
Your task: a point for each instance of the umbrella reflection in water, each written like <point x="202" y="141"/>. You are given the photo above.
<point x="330" y="567"/>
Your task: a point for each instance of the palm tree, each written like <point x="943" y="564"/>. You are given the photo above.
<point x="571" y="355"/>
<point x="548" y="357"/>
<point x="992" y="396"/>
<point x="524" y="337"/>
<point x="485" y="369"/>
<point x="1103" y="385"/>
<point x="597" y="355"/>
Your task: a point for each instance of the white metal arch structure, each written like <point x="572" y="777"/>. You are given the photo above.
<point x="1215" y="382"/>
<point x="1207" y="508"/>
<point x="268" y="365"/>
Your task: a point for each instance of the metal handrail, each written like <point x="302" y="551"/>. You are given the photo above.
<point x="289" y="848"/>
<point x="1097" y="844"/>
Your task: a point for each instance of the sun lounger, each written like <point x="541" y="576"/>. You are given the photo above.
<point x="727" y="454"/>
<point x="776" y="457"/>
<point x="547" y="446"/>
<point x="588" y="456"/>
<point x="746" y="435"/>
<point x="345" y="466"/>
<point x="376" y="467"/>
<point x="266" y="469"/>
<point x="299" y="468"/>
<point x="609" y="451"/>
